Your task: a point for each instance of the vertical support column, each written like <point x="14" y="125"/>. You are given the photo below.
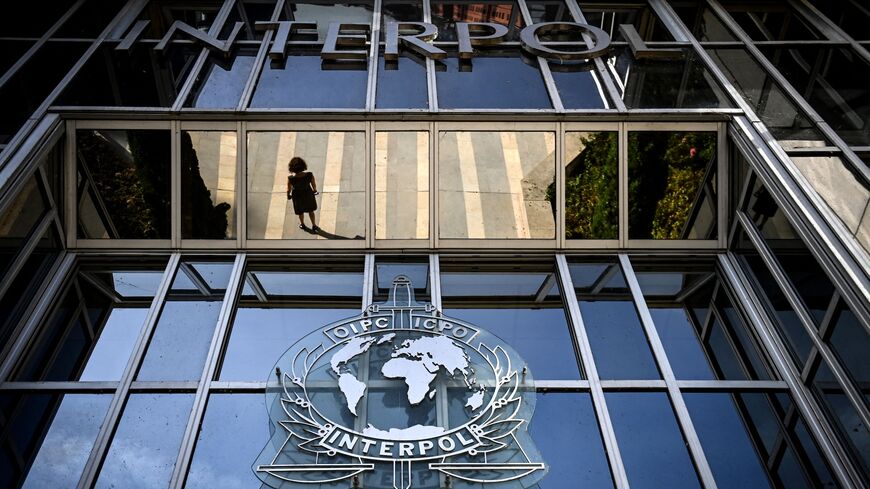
<point x="588" y="362"/>
<point x="723" y="177"/>
<point x="241" y="185"/>
<point x="182" y="463"/>
<point x="261" y="58"/>
<point x="560" y="185"/>
<point x="175" y="185"/>
<point x="680" y="409"/>
<point x="542" y="64"/>
<point x="70" y="185"/>
<point x="434" y="186"/>
<point x="104" y="437"/>
<point x="368" y="281"/>
<point x="370" y="181"/>
<point x="430" y="64"/>
<point x="435" y="281"/>
<point x="372" y="84"/>
<point x="623" y="185"/>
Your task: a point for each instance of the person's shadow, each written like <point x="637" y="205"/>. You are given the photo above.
<point x="321" y="232"/>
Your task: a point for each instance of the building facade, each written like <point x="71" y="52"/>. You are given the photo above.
<point x="656" y="209"/>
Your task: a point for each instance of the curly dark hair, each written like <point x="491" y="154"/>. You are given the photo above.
<point x="297" y="165"/>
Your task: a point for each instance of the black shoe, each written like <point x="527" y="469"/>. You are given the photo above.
<point x="302" y="226"/>
<point x="315" y="228"/>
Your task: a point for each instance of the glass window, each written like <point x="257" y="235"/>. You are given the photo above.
<point x="828" y="78"/>
<point x="672" y="185"/>
<point x="504" y="80"/>
<point x="402" y="84"/>
<point x="851" y="16"/>
<point x="665" y="84"/>
<point x="91" y="333"/>
<point x="51" y="436"/>
<point x="387" y="269"/>
<point x="219" y="84"/>
<point x="523" y="308"/>
<point x="208" y="184"/>
<point x="790" y="326"/>
<point x="140" y="77"/>
<point x="549" y="11"/>
<point x="607" y="16"/>
<point x="233" y="433"/>
<point x="23" y="287"/>
<point x="304" y="80"/>
<point x="782" y="117"/>
<point x="143" y="451"/>
<point x="400" y="11"/>
<point x="335" y="160"/>
<point x="181" y="341"/>
<point x="402" y="185"/>
<point x="89" y="20"/>
<point x="843" y="414"/>
<point x="18" y="220"/>
<point x="850" y="342"/>
<point x="161" y="14"/>
<point x="747" y="445"/>
<point x="280" y="304"/>
<point x="325" y="11"/>
<point x="650" y="442"/>
<point x="497" y="185"/>
<point x="704" y="24"/>
<point x="591" y="185"/>
<point x="579" y="86"/>
<point x="567" y="432"/>
<point x="445" y="15"/>
<point x="615" y="333"/>
<point x="25" y="91"/>
<point x="127" y="175"/>
<point x="39" y="18"/>
<point x="260" y="335"/>
<point x="11" y="51"/>
<point x="699" y="345"/>
<point x="772" y="21"/>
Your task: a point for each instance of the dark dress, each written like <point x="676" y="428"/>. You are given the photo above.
<point x="301" y="193"/>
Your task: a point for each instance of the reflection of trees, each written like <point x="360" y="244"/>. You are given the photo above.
<point x="133" y="182"/>
<point x="200" y="217"/>
<point x="591" y="198"/>
<point x="666" y="172"/>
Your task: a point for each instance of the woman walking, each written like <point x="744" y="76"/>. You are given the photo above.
<point x="301" y="189"/>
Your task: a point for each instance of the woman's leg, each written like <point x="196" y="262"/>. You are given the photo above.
<point x="301" y="219"/>
<point x="313" y="220"/>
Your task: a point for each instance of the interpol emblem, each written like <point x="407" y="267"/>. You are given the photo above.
<point x="400" y="397"/>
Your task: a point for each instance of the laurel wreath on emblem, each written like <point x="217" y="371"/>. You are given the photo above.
<point x="496" y="422"/>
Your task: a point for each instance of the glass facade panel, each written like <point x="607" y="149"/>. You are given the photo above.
<point x="650" y="440"/>
<point x="672" y="185"/>
<point x="337" y="162"/>
<point x="615" y="333"/>
<point x="828" y="79"/>
<point x="506" y="303"/>
<point x="748" y="445"/>
<point x="680" y="84"/>
<point x="591" y="185"/>
<point x="388" y="269"/>
<point x="505" y="80"/>
<point x="136" y="78"/>
<point x="325" y="11"/>
<point x="306" y="81"/>
<point x="26" y="89"/>
<point x="47" y="437"/>
<point x="127" y="175"/>
<point x="208" y="184"/>
<point x="579" y="86"/>
<point x="496" y="185"/>
<point x="144" y="448"/>
<point x="219" y="84"/>
<point x="229" y="441"/>
<point x="445" y="15"/>
<point x="609" y="15"/>
<point x="402" y="185"/>
<point x="574" y="450"/>
<point x="402" y="83"/>
<point x="18" y="220"/>
<point x="850" y="342"/>
<point x="846" y="419"/>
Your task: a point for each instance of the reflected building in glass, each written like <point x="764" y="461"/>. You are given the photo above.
<point x="662" y="207"/>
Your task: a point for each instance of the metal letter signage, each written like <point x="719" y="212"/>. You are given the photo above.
<point x="400" y="397"/>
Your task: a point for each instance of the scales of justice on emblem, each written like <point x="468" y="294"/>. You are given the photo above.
<point x="400" y="397"/>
